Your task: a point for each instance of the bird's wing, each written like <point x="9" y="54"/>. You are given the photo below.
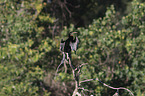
<point x="74" y="44"/>
<point x="62" y="43"/>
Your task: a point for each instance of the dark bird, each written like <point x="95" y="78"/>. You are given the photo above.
<point x="68" y="45"/>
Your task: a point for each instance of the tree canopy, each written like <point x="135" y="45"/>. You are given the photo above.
<point x="111" y="35"/>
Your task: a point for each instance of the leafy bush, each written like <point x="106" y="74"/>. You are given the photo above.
<point x="19" y="53"/>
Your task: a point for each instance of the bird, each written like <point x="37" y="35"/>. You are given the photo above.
<point x="68" y="45"/>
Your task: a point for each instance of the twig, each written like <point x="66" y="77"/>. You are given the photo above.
<point x="62" y="61"/>
<point x="54" y="27"/>
<point x="58" y="68"/>
<point x="83" y="89"/>
<point x="80" y="66"/>
<point x="86" y="80"/>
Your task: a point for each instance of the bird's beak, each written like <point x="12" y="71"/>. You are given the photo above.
<point x="72" y="33"/>
<point x="75" y="32"/>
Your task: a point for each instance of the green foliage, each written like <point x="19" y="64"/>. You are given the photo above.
<point x="19" y="53"/>
<point x="64" y="77"/>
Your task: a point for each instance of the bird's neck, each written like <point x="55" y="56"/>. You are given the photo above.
<point x="70" y="37"/>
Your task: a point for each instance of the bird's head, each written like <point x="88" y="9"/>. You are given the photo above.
<point x="71" y="33"/>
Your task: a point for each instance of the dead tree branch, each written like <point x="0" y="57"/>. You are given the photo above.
<point x="76" y="75"/>
<point x="108" y="85"/>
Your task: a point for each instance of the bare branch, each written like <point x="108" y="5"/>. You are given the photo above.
<point x="68" y="10"/>
<point x="76" y="75"/>
<point x="80" y="66"/>
<point x="58" y="68"/>
<point x="86" y="80"/>
<point x="54" y="27"/>
<point x="108" y="85"/>
<point x="116" y="88"/>
<point x="84" y="89"/>
<point x="65" y="67"/>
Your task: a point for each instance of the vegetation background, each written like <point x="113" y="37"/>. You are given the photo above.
<point x="112" y="42"/>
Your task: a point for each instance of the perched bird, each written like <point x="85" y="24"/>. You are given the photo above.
<point x="68" y="45"/>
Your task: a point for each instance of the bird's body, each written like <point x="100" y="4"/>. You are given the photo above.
<point x="69" y="44"/>
<point x="67" y="47"/>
